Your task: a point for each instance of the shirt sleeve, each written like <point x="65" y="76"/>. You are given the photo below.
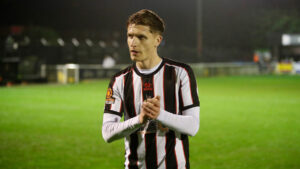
<point x="188" y="89"/>
<point x="113" y="100"/>
<point x="113" y="129"/>
<point x="187" y="123"/>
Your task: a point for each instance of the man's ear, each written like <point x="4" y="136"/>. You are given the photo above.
<point x="159" y="38"/>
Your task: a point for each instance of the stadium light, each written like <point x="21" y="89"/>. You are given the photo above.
<point x="75" y="42"/>
<point x="44" y="42"/>
<point x="61" y="42"/>
<point x="102" y="44"/>
<point x="72" y="66"/>
<point x="89" y="42"/>
<point x="290" y="39"/>
<point x="15" y="45"/>
<point x="286" y="40"/>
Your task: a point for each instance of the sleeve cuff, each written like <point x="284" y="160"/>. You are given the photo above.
<point x="190" y="106"/>
<point x="113" y="112"/>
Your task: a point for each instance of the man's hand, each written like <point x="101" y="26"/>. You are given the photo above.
<point x="151" y="107"/>
<point x="143" y="117"/>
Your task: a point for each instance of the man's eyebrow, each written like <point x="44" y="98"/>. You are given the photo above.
<point x="134" y="34"/>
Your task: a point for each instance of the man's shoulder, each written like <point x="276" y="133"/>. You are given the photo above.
<point x="123" y="71"/>
<point x="177" y="63"/>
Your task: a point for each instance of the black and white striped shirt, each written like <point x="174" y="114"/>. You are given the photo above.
<point x="153" y="145"/>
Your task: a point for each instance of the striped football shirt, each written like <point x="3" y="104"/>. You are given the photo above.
<point x="154" y="145"/>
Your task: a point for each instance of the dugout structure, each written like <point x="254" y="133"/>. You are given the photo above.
<point x="73" y="73"/>
<point x="68" y="73"/>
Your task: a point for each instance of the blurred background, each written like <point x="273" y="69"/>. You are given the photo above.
<point x="37" y="38"/>
<point x="56" y="58"/>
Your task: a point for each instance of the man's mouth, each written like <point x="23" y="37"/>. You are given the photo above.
<point x="134" y="52"/>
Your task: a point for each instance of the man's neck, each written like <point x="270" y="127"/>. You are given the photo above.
<point x="150" y="63"/>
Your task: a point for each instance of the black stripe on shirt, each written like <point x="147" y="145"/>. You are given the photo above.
<point x="151" y="152"/>
<point x="129" y="103"/>
<point x="185" y="143"/>
<point x="130" y="113"/>
<point x="180" y="99"/>
<point x="111" y="84"/>
<point x="193" y="86"/>
<point x="150" y="138"/>
<point x="133" y="158"/>
<point x="192" y="80"/>
<point x="171" y="160"/>
<point x="169" y="83"/>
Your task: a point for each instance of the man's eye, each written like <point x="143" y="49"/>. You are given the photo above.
<point x="141" y="37"/>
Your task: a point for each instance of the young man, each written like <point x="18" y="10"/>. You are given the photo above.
<point x="158" y="98"/>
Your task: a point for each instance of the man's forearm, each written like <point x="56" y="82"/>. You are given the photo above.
<point x="188" y="123"/>
<point x="113" y="129"/>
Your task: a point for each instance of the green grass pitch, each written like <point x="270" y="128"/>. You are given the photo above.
<point x="246" y="123"/>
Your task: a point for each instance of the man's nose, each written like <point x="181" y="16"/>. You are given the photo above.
<point x="134" y="42"/>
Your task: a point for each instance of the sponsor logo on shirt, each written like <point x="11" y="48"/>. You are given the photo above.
<point x="148" y="86"/>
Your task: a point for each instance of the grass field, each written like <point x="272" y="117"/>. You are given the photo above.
<point x="246" y="123"/>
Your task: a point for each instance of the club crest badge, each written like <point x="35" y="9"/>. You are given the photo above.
<point x="109" y="98"/>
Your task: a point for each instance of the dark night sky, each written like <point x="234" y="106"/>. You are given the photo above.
<point x="87" y="13"/>
<point x="222" y="19"/>
<point x="98" y="14"/>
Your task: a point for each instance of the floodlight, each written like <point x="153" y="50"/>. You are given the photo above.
<point x="75" y="42"/>
<point x="44" y="42"/>
<point x="72" y="66"/>
<point x="89" y="42"/>
<point x="290" y="39"/>
<point x="15" y="45"/>
<point x="102" y="44"/>
<point x="61" y="42"/>
<point x="286" y="39"/>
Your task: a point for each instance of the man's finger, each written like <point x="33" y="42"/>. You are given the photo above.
<point x="149" y="104"/>
<point x="157" y="97"/>
<point x="149" y="115"/>
<point x="154" y="102"/>
<point x="148" y="109"/>
<point x="152" y="107"/>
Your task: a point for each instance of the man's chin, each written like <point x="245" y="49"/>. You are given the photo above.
<point x="134" y="58"/>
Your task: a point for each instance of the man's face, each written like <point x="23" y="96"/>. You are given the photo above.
<point x="142" y="43"/>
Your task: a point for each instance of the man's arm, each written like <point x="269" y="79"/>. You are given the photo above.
<point x="187" y="123"/>
<point x="113" y="129"/>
